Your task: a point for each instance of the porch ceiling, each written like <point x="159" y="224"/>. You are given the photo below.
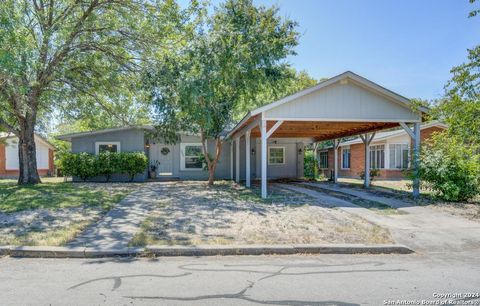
<point x="322" y="130"/>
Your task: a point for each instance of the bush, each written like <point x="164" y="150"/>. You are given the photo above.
<point x="310" y="168"/>
<point x="451" y="168"/>
<point x="373" y="173"/>
<point x="107" y="163"/>
<point x="132" y="163"/>
<point x="85" y="166"/>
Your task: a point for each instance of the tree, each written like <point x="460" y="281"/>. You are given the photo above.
<point x="233" y="54"/>
<point x="60" y="55"/>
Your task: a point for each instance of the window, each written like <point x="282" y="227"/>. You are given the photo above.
<point x="399" y="154"/>
<point x="107" y="146"/>
<point x="346" y="158"/>
<point x="377" y="157"/>
<point x="191" y="156"/>
<point x="323" y="159"/>
<point x="276" y="155"/>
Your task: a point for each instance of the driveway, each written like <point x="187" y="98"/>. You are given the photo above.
<point x="423" y="229"/>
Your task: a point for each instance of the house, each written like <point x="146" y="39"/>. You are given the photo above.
<point x="390" y="153"/>
<point x="9" y="166"/>
<point x="269" y="141"/>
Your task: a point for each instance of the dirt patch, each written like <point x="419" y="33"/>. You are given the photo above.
<point x="469" y="211"/>
<point x="230" y="214"/>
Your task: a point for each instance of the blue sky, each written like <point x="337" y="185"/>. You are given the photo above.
<point x="407" y="46"/>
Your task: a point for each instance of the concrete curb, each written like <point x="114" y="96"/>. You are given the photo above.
<point x="205" y="250"/>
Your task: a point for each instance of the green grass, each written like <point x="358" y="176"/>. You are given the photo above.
<point x="14" y="198"/>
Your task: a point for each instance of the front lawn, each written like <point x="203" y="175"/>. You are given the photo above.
<point x="192" y="213"/>
<point x="54" y="212"/>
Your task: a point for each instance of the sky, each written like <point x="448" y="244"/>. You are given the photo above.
<point x="407" y="46"/>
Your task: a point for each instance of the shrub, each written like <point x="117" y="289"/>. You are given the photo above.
<point x="310" y="167"/>
<point x="85" y="166"/>
<point x="132" y="163"/>
<point x="451" y="168"/>
<point x="107" y="163"/>
<point x="373" y="173"/>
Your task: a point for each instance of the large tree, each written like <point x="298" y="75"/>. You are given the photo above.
<point x="58" y="55"/>
<point x="233" y="54"/>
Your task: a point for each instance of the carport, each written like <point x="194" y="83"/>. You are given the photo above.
<point x="342" y="106"/>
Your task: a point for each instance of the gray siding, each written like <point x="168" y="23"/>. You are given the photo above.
<point x="223" y="167"/>
<point x="293" y="166"/>
<point x="130" y="141"/>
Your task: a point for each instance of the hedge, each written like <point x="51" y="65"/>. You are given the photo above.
<point x="85" y="166"/>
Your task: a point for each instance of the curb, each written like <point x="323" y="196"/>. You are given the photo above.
<point x="206" y="250"/>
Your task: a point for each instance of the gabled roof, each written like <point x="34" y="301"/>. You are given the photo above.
<point x="394" y="133"/>
<point x="37" y="137"/>
<point x="343" y="76"/>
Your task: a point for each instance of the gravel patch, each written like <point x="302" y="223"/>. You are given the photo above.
<point x="230" y="214"/>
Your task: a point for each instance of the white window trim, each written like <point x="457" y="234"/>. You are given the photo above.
<point x="341" y="158"/>
<point x="99" y="143"/>
<point x="409" y="155"/>
<point x="319" y="160"/>
<point x="283" y="152"/>
<point x="182" y="155"/>
<point x="370" y="149"/>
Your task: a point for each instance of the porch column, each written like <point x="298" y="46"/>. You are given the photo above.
<point x="416" y="159"/>
<point x="335" y="160"/>
<point x="263" y="131"/>
<point x="247" y="158"/>
<point x="237" y="159"/>
<point x="231" y="160"/>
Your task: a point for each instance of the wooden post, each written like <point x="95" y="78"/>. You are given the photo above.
<point x="416" y="160"/>
<point x="237" y="159"/>
<point x="263" y="131"/>
<point x="367" y="139"/>
<point x="247" y="158"/>
<point x="231" y="160"/>
<point x="335" y="160"/>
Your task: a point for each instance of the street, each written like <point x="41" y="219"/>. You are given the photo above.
<point x="248" y="280"/>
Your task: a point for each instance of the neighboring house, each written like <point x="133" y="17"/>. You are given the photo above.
<point x="271" y="137"/>
<point x="390" y="153"/>
<point x="9" y="166"/>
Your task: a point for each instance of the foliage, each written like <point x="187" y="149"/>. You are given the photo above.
<point x="75" y="59"/>
<point x="373" y="173"/>
<point x="310" y="165"/>
<point x="292" y="82"/>
<point x="232" y="54"/>
<point x="132" y="163"/>
<point x="85" y="166"/>
<point x="450" y="168"/>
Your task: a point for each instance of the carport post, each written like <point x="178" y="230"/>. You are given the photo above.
<point x="416" y="159"/>
<point x="247" y="158"/>
<point x="237" y="159"/>
<point x="231" y="160"/>
<point x="263" y="131"/>
<point x="367" y="139"/>
<point x="335" y="160"/>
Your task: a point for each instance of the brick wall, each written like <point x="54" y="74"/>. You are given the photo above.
<point x="2" y="158"/>
<point x="357" y="159"/>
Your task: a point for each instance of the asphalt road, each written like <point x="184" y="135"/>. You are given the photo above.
<point x="248" y="280"/>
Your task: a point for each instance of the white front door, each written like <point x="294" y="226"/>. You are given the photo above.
<point x="165" y="159"/>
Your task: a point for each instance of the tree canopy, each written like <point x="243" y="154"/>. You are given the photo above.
<point x="234" y="53"/>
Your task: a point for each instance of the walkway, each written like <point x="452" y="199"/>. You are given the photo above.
<point x="119" y="225"/>
<point x="420" y="228"/>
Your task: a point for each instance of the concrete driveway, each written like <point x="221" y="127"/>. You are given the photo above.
<point x="423" y="229"/>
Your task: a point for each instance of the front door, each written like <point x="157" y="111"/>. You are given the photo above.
<point x="165" y="160"/>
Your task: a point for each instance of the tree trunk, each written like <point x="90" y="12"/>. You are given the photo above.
<point x="27" y="157"/>
<point x="211" y="164"/>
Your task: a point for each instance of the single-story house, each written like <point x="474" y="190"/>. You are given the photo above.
<point x="269" y="141"/>
<point x="9" y="165"/>
<point x="390" y="153"/>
